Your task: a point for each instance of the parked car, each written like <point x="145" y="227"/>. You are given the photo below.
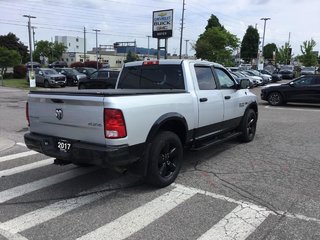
<point x="258" y="80"/>
<point x="100" y="79"/>
<point x="72" y="75"/>
<point x="308" y="70"/>
<point x="59" y="64"/>
<point x="287" y="72"/>
<point x="35" y="65"/>
<point x="86" y="70"/>
<point x="49" y="77"/>
<point x="266" y="78"/>
<point x="238" y="77"/>
<point x="305" y="89"/>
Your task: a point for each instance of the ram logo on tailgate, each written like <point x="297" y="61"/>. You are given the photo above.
<point x="59" y="113"/>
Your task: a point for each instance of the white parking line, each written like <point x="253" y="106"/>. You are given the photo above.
<point x="140" y="217"/>
<point x="21" y="144"/>
<point x="47" y="213"/>
<point x="293" y="109"/>
<point x="17" y="155"/>
<point x="252" y="206"/>
<point x="26" y="167"/>
<point x="18" y="191"/>
<point x="238" y="224"/>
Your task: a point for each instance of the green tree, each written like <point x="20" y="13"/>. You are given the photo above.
<point x="250" y="44"/>
<point x="308" y="58"/>
<point x="269" y="49"/>
<point x="131" y="57"/>
<point x="12" y="42"/>
<point x="216" y="43"/>
<point x="53" y="51"/>
<point x="284" y="54"/>
<point x="8" y="58"/>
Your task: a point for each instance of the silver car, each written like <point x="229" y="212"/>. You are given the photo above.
<point x="49" y="77"/>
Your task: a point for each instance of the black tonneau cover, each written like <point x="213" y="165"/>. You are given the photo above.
<point x="106" y="92"/>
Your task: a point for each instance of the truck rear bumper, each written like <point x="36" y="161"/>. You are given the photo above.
<point x="81" y="152"/>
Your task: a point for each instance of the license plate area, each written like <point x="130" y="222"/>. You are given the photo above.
<point x="64" y="145"/>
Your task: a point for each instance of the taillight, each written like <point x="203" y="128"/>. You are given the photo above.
<point x="27" y="113"/>
<point x="114" y="124"/>
<point x="151" y="62"/>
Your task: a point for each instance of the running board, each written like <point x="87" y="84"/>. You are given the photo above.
<point x="213" y="142"/>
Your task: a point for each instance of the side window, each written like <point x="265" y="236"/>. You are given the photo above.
<point x="103" y="74"/>
<point x="225" y="81"/>
<point x="94" y="75"/>
<point x="316" y="80"/>
<point x="205" y="78"/>
<point x="304" y="81"/>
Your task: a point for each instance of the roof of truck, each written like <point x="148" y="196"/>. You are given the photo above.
<point x="171" y="61"/>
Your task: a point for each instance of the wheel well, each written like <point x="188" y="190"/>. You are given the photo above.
<point x="177" y="127"/>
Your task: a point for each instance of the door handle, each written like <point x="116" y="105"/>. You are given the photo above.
<point x="203" y="99"/>
<point x="227" y="97"/>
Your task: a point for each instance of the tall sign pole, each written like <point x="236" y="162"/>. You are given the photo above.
<point x="181" y="32"/>
<point x="162" y="25"/>
<point x="32" y="81"/>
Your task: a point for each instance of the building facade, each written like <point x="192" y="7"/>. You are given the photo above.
<point x="73" y="44"/>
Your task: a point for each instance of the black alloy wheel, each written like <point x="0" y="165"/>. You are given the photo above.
<point x="248" y="126"/>
<point x="275" y="99"/>
<point x="165" y="159"/>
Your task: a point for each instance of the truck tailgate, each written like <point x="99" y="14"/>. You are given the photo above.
<point x="66" y="116"/>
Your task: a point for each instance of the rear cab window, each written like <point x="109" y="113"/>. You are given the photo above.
<point x="158" y="76"/>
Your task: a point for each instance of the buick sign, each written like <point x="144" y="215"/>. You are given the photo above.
<point x="59" y="113"/>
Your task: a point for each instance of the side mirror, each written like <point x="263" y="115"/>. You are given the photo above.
<point x="244" y="84"/>
<point x="292" y="84"/>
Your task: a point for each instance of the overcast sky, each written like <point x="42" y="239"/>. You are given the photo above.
<point x="129" y="20"/>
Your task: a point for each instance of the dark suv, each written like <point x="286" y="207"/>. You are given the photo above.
<point x="58" y="64"/>
<point x="101" y="79"/>
<point x="72" y="75"/>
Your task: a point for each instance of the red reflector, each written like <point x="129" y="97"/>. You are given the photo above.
<point x="27" y="113"/>
<point x="151" y="62"/>
<point x="114" y="124"/>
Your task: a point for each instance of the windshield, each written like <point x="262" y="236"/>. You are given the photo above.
<point x="309" y="69"/>
<point x="50" y="71"/>
<point x="287" y="68"/>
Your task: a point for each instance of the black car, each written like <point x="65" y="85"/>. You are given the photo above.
<point x="59" y="64"/>
<point x="305" y="89"/>
<point x="86" y="70"/>
<point x="73" y="76"/>
<point x="287" y="72"/>
<point x="101" y="79"/>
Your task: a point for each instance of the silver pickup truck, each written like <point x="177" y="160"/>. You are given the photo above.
<point x="157" y="109"/>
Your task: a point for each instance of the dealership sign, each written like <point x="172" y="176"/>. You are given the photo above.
<point x="162" y="23"/>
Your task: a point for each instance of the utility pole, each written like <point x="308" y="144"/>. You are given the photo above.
<point x="32" y="81"/>
<point x="148" y="45"/>
<point x="33" y="34"/>
<point x="84" y="43"/>
<point x="187" y="48"/>
<point x="97" y="30"/>
<point x="264" y="31"/>
<point x="182" y="21"/>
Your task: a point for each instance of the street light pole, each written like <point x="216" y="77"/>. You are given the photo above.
<point x="187" y="48"/>
<point x="97" y="30"/>
<point x="31" y="81"/>
<point x="148" y="45"/>
<point x="264" y="31"/>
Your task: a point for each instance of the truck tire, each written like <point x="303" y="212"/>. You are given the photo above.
<point x="46" y="84"/>
<point x="248" y="126"/>
<point x="165" y="159"/>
